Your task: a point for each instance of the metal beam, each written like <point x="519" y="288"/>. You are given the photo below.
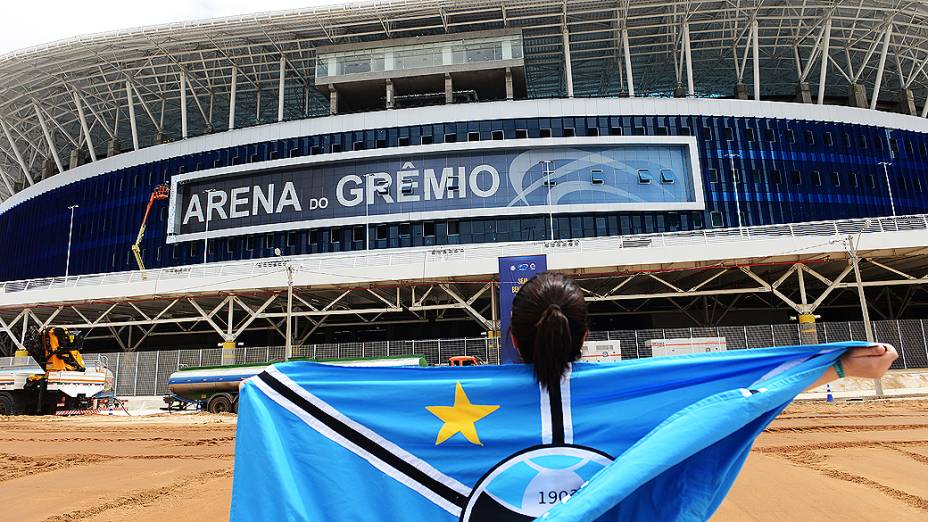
<point x="887" y="36"/>
<point x="48" y="138"/>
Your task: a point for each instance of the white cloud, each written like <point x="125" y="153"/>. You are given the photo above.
<point x="33" y="22"/>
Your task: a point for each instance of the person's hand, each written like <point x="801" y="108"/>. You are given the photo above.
<point x="869" y="362"/>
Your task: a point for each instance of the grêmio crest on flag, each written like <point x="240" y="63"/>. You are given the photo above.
<point x="649" y="439"/>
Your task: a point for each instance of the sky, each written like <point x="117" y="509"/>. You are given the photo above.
<point x="25" y="23"/>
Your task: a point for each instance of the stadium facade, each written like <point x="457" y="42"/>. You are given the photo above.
<point x="433" y="130"/>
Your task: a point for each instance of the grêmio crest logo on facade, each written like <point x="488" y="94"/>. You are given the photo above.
<point x="443" y="184"/>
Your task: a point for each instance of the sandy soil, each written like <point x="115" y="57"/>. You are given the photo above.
<point x="849" y="461"/>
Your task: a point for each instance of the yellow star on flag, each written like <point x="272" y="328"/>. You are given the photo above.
<point x="461" y="417"/>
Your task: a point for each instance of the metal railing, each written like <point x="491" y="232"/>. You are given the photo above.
<point x="327" y="263"/>
<point x="146" y="373"/>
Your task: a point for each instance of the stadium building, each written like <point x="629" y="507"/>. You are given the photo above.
<point x="700" y="168"/>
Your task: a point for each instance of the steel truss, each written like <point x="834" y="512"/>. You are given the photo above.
<point x="700" y="296"/>
<point x="66" y="102"/>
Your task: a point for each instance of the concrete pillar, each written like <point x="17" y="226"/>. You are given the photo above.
<point x="741" y="91"/>
<point x="333" y="100"/>
<point x="808" y="331"/>
<point x="75" y="159"/>
<point x="803" y="92"/>
<point x="679" y="91"/>
<point x="509" y="93"/>
<point x="449" y="89"/>
<point x="857" y="95"/>
<point x="907" y="102"/>
<point x="228" y="353"/>
<point x="112" y="148"/>
<point x="389" y="94"/>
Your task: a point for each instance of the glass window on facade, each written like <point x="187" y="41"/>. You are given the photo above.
<point x="810" y="137"/>
<point x="380" y="232"/>
<point x="404" y="229"/>
<point x="454" y="228"/>
<point x="829" y="140"/>
<point x="775" y="177"/>
<point x="596" y="177"/>
<point x="357" y="233"/>
<point x="335" y="235"/>
<point x="871" y="181"/>
<point x="797" y="177"/>
<point x="715" y="218"/>
<point x="836" y="179"/>
<point x="790" y="136"/>
<point x="816" y="178"/>
<point x="852" y="180"/>
<point x="770" y="135"/>
<point x="667" y="176"/>
<point x="749" y="134"/>
<point x="428" y="229"/>
<point x="713" y="176"/>
<point x="644" y="177"/>
<point x="250" y="243"/>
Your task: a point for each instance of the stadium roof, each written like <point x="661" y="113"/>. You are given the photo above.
<point x="44" y="90"/>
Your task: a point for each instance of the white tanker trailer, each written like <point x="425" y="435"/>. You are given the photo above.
<point x="217" y="386"/>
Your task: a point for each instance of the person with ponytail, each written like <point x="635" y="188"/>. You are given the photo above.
<point x="549" y="327"/>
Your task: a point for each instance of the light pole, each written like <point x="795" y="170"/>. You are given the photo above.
<point x="734" y="179"/>
<point x="547" y="164"/>
<point x="865" y="312"/>
<point x="208" y="192"/>
<point x="892" y="204"/>
<point x="67" y="263"/>
<point x="288" y="345"/>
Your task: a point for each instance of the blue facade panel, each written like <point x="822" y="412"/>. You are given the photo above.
<point x="785" y="171"/>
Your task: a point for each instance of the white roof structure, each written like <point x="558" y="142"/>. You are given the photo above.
<point x="161" y="83"/>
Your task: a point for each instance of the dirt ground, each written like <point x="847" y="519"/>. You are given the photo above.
<point x="848" y="461"/>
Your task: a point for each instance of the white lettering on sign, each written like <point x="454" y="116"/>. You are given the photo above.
<point x="246" y="201"/>
<point x="404" y="186"/>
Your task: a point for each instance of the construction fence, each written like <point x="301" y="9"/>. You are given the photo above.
<point x="146" y="373"/>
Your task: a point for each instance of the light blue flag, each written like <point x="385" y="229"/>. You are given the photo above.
<point x="650" y="439"/>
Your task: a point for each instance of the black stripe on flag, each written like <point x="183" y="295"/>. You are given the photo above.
<point x="367" y="444"/>
<point x="557" y="414"/>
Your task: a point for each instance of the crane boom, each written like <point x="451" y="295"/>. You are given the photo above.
<point x="161" y="192"/>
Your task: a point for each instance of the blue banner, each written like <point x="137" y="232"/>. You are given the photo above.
<point x="514" y="272"/>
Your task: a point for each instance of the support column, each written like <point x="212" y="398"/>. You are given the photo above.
<point x="857" y="95"/>
<point x="756" y="52"/>
<point x="449" y="89"/>
<point x="568" y="73"/>
<point x="629" y="81"/>
<point x="823" y="71"/>
<point x="232" y="97"/>
<point x="281" y="88"/>
<point x="333" y="100"/>
<point x="509" y="90"/>
<point x="688" y="55"/>
<point x="132" y="123"/>
<point x="906" y="101"/>
<point x="84" y="127"/>
<point x="808" y="330"/>
<point x="389" y="93"/>
<point x="803" y="92"/>
<point x="741" y="91"/>
<point x="887" y="35"/>
<point x="19" y="156"/>
<point x="183" y="105"/>
<point x="48" y="138"/>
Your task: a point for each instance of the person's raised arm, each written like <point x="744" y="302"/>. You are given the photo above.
<point x="868" y="362"/>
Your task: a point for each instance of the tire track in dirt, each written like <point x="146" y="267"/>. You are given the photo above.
<point x="807" y="456"/>
<point x="144" y="496"/>
<point x="17" y="466"/>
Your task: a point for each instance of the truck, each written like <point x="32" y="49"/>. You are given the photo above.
<point x="50" y="376"/>
<point x="601" y="351"/>
<point x="216" y="387"/>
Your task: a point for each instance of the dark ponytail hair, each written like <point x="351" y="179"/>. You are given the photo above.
<point x="548" y="325"/>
